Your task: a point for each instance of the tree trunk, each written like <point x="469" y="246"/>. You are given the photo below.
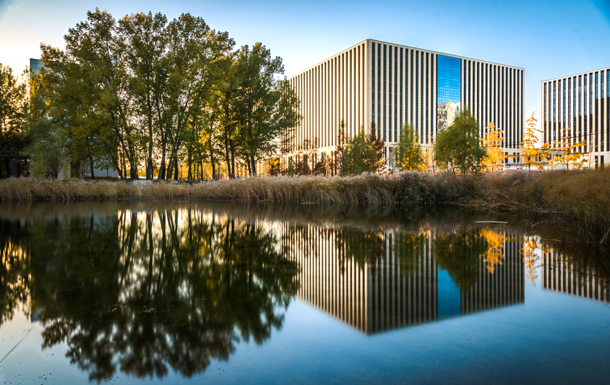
<point x="163" y="165"/>
<point x="253" y="165"/>
<point x="170" y="170"/>
<point x="228" y="158"/>
<point x="213" y="167"/>
<point x="91" y="166"/>
<point x="231" y="144"/>
<point x="190" y="165"/>
<point x="250" y="149"/>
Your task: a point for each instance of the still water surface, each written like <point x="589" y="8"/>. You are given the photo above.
<point x="133" y="293"/>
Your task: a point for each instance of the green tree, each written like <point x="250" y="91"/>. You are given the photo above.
<point x="458" y="145"/>
<point x="14" y="103"/>
<point x="260" y="92"/>
<point x="408" y="152"/>
<point x="88" y="90"/>
<point x="143" y="37"/>
<point x="360" y="156"/>
<point x="196" y="56"/>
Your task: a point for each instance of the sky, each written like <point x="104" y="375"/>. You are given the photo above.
<point x="548" y="39"/>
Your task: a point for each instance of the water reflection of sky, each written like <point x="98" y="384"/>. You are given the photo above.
<point x="543" y="337"/>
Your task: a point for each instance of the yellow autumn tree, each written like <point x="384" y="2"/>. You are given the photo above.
<point x="493" y="144"/>
<point x="569" y="154"/>
<point x="531" y="258"/>
<point x="428" y="159"/>
<point x="529" y="152"/>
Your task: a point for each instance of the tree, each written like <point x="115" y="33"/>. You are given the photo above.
<point x="569" y="154"/>
<point x="361" y="154"/>
<point x="529" y="152"/>
<point x="427" y="159"/>
<point x="340" y="149"/>
<point x="259" y="92"/>
<point x="492" y="142"/>
<point x="458" y="145"/>
<point x="14" y="106"/>
<point x="144" y="39"/>
<point x="376" y="160"/>
<point x="408" y="152"/>
<point x="196" y="56"/>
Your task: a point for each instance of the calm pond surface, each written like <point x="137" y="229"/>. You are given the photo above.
<point x="131" y="293"/>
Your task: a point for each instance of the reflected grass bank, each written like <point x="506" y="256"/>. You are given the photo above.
<point x="580" y="200"/>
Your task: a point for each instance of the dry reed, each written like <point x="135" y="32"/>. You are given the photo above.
<point x="580" y="198"/>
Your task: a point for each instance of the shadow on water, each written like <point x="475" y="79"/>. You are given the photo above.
<point x="143" y="288"/>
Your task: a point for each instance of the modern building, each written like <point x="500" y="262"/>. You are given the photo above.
<point x="35" y="65"/>
<point x="576" y="108"/>
<point x="392" y="84"/>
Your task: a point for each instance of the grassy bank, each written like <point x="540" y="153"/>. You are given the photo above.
<point x="578" y="200"/>
<point x="573" y="197"/>
<point x="412" y="188"/>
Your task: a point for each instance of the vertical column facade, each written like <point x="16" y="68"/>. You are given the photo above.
<point x="391" y="85"/>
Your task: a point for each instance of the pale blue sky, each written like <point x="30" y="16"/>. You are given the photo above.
<point x="547" y="38"/>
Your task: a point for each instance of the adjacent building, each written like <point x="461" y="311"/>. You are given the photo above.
<point x="391" y="84"/>
<point x="576" y="109"/>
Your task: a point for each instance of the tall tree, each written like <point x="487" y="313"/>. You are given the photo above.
<point x="259" y="89"/>
<point x="90" y="81"/>
<point x="143" y="37"/>
<point x="14" y="105"/>
<point x="195" y="51"/>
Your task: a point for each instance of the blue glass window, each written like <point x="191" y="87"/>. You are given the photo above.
<point x="449" y="80"/>
<point x="449" y="89"/>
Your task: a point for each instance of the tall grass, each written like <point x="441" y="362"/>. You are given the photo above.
<point x="365" y="189"/>
<point x="580" y="200"/>
<point x="40" y="189"/>
<point x="574" y="197"/>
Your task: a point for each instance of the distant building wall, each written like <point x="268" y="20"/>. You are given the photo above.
<point x="577" y="108"/>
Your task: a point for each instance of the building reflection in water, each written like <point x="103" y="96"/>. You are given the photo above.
<point x="566" y="275"/>
<point x="379" y="281"/>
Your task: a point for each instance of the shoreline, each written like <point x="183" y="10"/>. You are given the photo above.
<point x="579" y="199"/>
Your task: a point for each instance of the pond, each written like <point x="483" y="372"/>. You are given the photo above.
<point x="183" y="292"/>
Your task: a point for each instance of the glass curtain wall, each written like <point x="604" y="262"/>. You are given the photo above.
<point x="449" y="87"/>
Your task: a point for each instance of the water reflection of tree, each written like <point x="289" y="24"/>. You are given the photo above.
<point x="14" y="270"/>
<point x="496" y="241"/>
<point x="173" y="289"/>
<point x="457" y="252"/>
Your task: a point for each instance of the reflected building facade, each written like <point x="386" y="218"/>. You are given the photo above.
<point x="392" y="85"/>
<point x="576" y="109"/>
<point x="397" y="283"/>
<point x="564" y="275"/>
